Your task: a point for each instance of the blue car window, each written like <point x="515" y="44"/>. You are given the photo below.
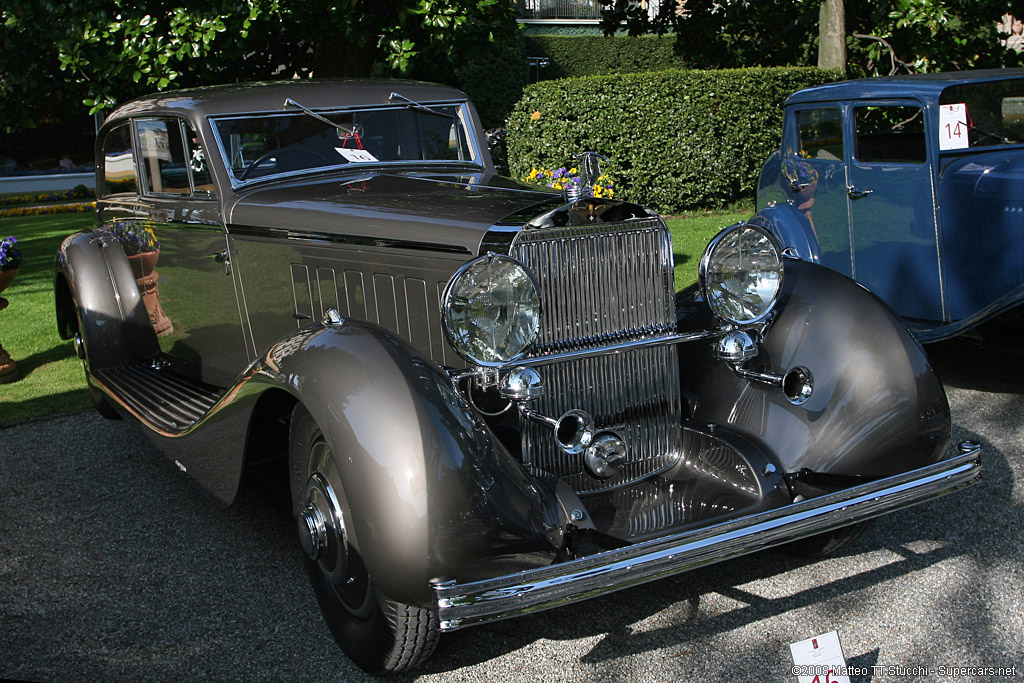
<point x="821" y="133"/>
<point x="889" y="134"/>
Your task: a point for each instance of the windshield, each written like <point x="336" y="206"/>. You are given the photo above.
<point x="992" y="113"/>
<point x="263" y="145"/>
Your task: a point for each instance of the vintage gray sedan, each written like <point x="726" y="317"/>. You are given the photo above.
<point x="490" y="399"/>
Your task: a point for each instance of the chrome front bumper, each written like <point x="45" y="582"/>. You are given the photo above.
<point x="468" y="604"/>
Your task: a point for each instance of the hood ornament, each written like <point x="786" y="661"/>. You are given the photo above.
<point x="582" y="187"/>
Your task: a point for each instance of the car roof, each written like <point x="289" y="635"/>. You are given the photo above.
<point x="269" y="96"/>
<point x="924" y="86"/>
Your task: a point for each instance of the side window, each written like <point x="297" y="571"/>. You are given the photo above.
<point x="201" y="179"/>
<point x="119" y="172"/>
<point x="820" y="133"/>
<point x="889" y="134"/>
<point x="162" y="155"/>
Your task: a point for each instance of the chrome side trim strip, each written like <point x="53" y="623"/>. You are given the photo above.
<point x="479" y="602"/>
<point x="611" y="348"/>
<point x="357" y="240"/>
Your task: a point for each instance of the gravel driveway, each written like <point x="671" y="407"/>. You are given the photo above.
<point x="113" y="566"/>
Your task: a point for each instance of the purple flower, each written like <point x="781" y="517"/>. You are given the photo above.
<point x="134" y="238"/>
<point x="9" y="256"/>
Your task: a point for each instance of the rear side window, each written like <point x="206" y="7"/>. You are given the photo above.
<point x="162" y="154"/>
<point x="821" y="133"/>
<point x="173" y="162"/>
<point x="119" y="172"/>
<point x="889" y="134"/>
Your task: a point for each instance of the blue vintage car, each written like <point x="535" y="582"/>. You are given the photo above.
<point x="911" y="185"/>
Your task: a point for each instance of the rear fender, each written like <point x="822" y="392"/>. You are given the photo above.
<point x="428" y="492"/>
<point x="105" y="306"/>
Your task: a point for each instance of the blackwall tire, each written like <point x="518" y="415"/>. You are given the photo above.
<point x="828" y="543"/>
<point x="379" y="634"/>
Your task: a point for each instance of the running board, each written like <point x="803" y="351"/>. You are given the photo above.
<point x="159" y="395"/>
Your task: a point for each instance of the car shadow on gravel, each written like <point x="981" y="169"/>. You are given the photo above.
<point x="691" y="603"/>
<point x="968" y="364"/>
<point x="716" y="600"/>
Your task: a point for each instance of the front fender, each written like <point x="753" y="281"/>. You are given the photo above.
<point x="877" y="408"/>
<point x="93" y="272"/>
<point x="427" y="491"/>
<point x="791" y="228"/>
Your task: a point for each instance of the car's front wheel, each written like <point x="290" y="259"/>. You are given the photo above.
<point x="379" y="634"/>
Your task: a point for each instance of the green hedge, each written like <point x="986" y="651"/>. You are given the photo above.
<point x="495" y="80"/>
<point x="675" y="140"/>
<point x="573" y="56"/>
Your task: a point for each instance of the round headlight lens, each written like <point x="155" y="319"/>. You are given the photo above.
<point x="741" y="274"/>
<point x="491" y="310"/>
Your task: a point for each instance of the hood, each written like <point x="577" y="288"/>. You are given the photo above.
<point x="452" y="212"/>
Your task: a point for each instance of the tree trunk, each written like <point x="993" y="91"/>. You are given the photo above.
<point x="832" y="35"/>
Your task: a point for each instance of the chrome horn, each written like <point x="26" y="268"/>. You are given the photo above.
<point x="574" y="431"/>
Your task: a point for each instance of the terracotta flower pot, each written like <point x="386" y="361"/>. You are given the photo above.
<point x="8" y="368"/>
<point x="6" y="277"/>
<point x="144" y="269"/>
<point x="143" y="264"/>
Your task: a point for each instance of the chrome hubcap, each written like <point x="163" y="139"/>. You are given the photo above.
<point x="322" y="529"/>
<point x="313" y="532"/>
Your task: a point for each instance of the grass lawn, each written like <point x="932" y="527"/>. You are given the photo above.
<point x="691" y="234"/>
<point x="51" y="380"/>
<point x="50" y="377"/>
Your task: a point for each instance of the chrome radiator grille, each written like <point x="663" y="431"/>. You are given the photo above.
<point x="602" y="284"/>
<point x="634" y="394"/>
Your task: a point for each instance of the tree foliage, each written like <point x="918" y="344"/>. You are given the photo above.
<point x="107" y="51"/>
<point x="908" y="35"/>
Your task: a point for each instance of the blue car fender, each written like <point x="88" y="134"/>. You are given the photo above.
<point x="791" y="228"/>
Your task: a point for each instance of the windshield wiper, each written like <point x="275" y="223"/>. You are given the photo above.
<point x="986" y="135"/>
<point x="343" y="130"/>
<point x="421" y="107"/>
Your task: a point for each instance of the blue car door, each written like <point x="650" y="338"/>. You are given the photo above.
<point x="891" y="199"/>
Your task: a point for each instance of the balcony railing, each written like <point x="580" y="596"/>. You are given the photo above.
<point x="557" y="9"/>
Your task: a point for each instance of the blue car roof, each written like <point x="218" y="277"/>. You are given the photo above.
<point x="925" y="86"/>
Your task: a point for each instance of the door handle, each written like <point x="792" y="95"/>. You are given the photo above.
<point x="854" y="193"/>
<point x="222" y="257"/>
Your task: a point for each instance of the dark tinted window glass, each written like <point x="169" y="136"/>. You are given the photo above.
<point x="995" y="110"/>
<point x="821" y="133"/>
<point x="258" y="146"/>
<point x="119" y="173"/>
<point x="891" y="134"/>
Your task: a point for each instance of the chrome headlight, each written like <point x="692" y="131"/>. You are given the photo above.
<point x="741" y="274"/>
<point x="491" y="310"/>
